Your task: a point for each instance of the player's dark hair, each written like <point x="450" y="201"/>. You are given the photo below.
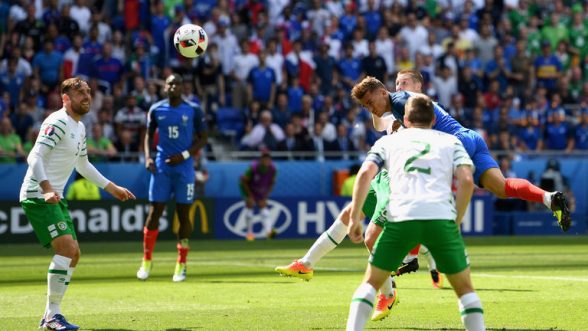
<point x="367" y="84"/>
<point x="69" y="84"/>
<point x="421" y="111"/>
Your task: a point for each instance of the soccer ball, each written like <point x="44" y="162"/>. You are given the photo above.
<point x="190" y="40"/>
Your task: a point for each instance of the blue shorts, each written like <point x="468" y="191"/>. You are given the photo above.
<point x="478" y="151"/>
<point x="178" y="180"/>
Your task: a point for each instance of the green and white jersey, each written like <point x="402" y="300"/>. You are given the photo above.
<point x="60" y="145"/>
<point x="420" y="164"/>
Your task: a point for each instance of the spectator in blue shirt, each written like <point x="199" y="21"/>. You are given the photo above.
<point x="295" y="94"/>
<point x="373" y="19"/>
<point x="530" y="136"/>
<point x="48" y="66"/>
<point x="349" y="67"/>
<point x="558" y="135"/>
<point x="581" y="132"/>
<point x="107" y="69"/>
<point x="262" y="83"/>
<point x="547" y="68"/>
<point x="12" y="82"/>
<point x="159" y="23"/>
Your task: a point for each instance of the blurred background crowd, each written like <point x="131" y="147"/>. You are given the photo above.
<point x="277" y="74"/>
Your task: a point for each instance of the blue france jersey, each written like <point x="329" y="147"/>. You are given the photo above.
<point x="176" y="126"/>
<point x="443" y="122"/>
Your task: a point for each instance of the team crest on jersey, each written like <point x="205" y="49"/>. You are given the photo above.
<point x="72" y="135"/>
<point x="49" y="130"/>
<point x="62" y="226"/>
<point x="185" y="118"/>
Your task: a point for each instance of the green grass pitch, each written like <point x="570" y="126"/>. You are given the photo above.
<point x="525" y="283"/>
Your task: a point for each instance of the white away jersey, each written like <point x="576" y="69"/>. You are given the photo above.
<point x="420" y="164"/>
<point x="66" y="140"/>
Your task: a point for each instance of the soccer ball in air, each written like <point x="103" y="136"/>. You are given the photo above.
<point x="190" y="40"/>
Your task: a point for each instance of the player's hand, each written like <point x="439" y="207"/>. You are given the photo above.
<point x="119" y="192"/>
<point x="175" y="159"/>
<point x="51" y="197"/>
<point x="150" y="165"/>
<point x="355" y="231"/>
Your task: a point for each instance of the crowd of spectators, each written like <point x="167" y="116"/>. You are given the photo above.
<point x="514" y="70"/>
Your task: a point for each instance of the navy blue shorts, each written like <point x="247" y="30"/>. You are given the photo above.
<point x="178" y="180"/>
<point x="478" y="151"/>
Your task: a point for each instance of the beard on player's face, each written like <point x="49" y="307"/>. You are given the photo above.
<point x="80" y="104"/>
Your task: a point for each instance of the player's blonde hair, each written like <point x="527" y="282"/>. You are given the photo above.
<point x="367" y="84"/>
<point x="413" y="74"/>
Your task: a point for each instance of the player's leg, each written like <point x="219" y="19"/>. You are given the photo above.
<point x="183" y="245"/>
<point x="159" y="192"/>
<point x="445" y="243"/>
<point x="491" y="178"/>
<point x="249" y="204"/>
<point x="53" y="227"/>
<point x="436" y="277"/>
<point x="326" y="242"/>
<point x="150" y="233"/>
<point x="388" y="294"/>
<point x="392" y="245"/>
<point x="267" y="222"/>
<point x="183" y="184"/>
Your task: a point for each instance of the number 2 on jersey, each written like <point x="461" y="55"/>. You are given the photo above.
<point x="408" y="167"/>
<point x="173" y="132"/>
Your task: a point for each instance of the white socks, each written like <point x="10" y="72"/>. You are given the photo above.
<point x="265" y="219"/>
<point x="547" y="199"/>
<point x="430" y="259"/>
<point x="387" y="287"/>
<point x="409" y="257"/>
<point x="472" y="315"/>
<point x="361" y="307"/>
<point x="58" y="277"/>
<point x="325" y="243"/>
<point x="249" y="219"/>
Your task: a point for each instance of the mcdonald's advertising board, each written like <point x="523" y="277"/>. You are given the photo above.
<point x="109" y="220"/>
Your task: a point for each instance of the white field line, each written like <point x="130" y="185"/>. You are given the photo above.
<point x="475" y="274"/>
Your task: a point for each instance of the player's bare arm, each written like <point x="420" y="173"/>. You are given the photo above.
<point x="360" y="190"/>
<point x="465" y="189"/>
<point x="149" y="162"/>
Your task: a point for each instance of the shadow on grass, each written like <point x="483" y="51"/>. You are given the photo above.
<point x="213" y="277"/>
<point x="488" y="329"/>
<point x="173" y="329"/>
<point x="447" y="329"/>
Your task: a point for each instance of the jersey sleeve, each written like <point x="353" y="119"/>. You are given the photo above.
<point x="398" y="100"/>
<point x="460" y="156"/>
<point x="377" y="154"/>
<point x="51" y="133"/>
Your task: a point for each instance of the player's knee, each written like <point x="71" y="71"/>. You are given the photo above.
<point x="369" y="242"/>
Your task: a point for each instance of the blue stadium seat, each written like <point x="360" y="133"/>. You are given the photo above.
<point x="230" y="122"/>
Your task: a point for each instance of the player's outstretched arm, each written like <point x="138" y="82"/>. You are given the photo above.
<point x="119" y="192"/>
<point x="465" y="189"/>
<point x="148" y="141"/>
<point x="360" y="190"/>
